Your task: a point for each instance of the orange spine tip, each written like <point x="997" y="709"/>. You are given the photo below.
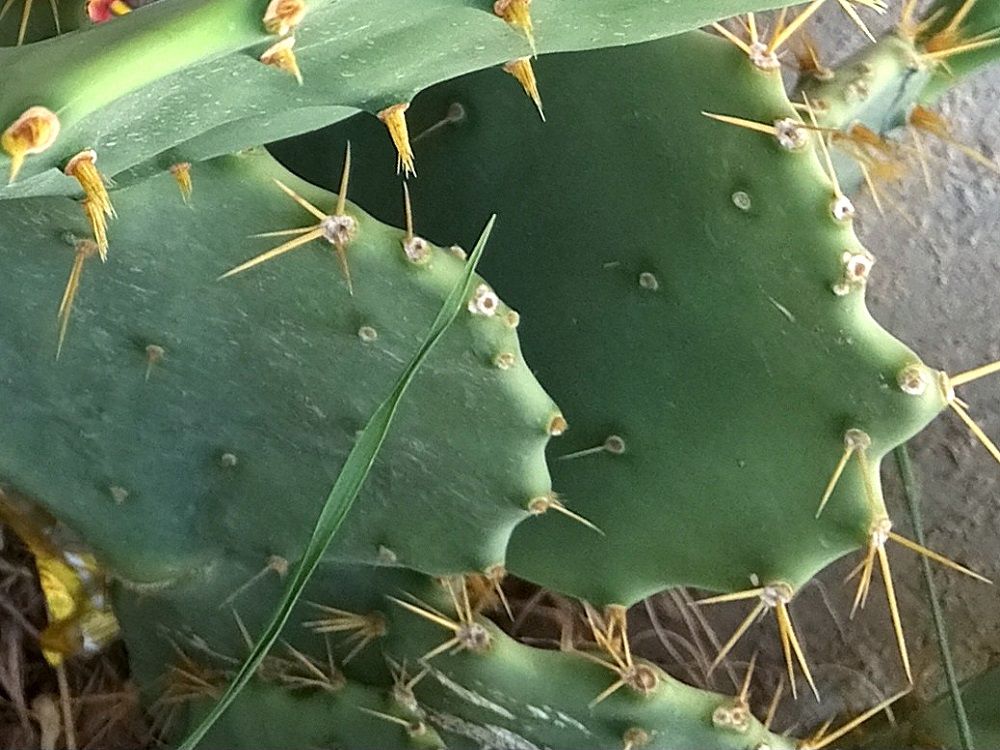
<point x="924" y="118"/>
<point x="866" y="137"/>
<point x="522" y="70"/>
<point x="283" y="16"/>
<point x="518" y="14"/>
<point x="31" y="133"/>
<point x="182" y="174"/>
<point x="83" y="167"/>
<point x="96" y="201"/>
<point x="394" y="118"/>
<point x="282" y="56"/>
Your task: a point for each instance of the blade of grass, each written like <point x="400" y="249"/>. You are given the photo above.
<point x="911" y="492"/>
<point x="345" y="490"/>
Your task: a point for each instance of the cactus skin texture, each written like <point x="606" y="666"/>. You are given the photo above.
<point x="731" y="371"/>
<point x="139" y="88"/>
<point x="206" y="438"/>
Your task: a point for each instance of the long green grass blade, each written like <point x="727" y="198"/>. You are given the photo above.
<point x="912" y="494"/>
<point x="345" y="490"/>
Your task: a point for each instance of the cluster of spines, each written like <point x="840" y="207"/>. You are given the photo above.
<point x="460" y="614"/>
<point x="466" y="631"/>
<point x="793" y="134"/>
<point x="517" y="14"/>
<point x="939" y="41"/>
<point x="927" y="45"/>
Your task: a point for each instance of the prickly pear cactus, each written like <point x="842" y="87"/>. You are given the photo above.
<point x="204" y="345"/>
<point x="157" y="87"/>
<point x="680" y="375"/>
<point x="280" y="399"/>
<point x="759" y="224"/>
<point x="665" y="400"/>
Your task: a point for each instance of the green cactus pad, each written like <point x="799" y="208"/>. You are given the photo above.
<point x="529" y="697"/>
<point x="875" y="87"/>
<point x="193" y="471"/>
<point x="260" y="718"/>
<point x="676" y="278"/>
<point x="232" y="432"/>
<point x="137" y="88"/>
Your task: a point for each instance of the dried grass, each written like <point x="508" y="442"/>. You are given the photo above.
<point x="104" y="703"/>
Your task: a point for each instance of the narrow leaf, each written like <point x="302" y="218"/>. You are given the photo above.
<point x="911" y="493"/>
